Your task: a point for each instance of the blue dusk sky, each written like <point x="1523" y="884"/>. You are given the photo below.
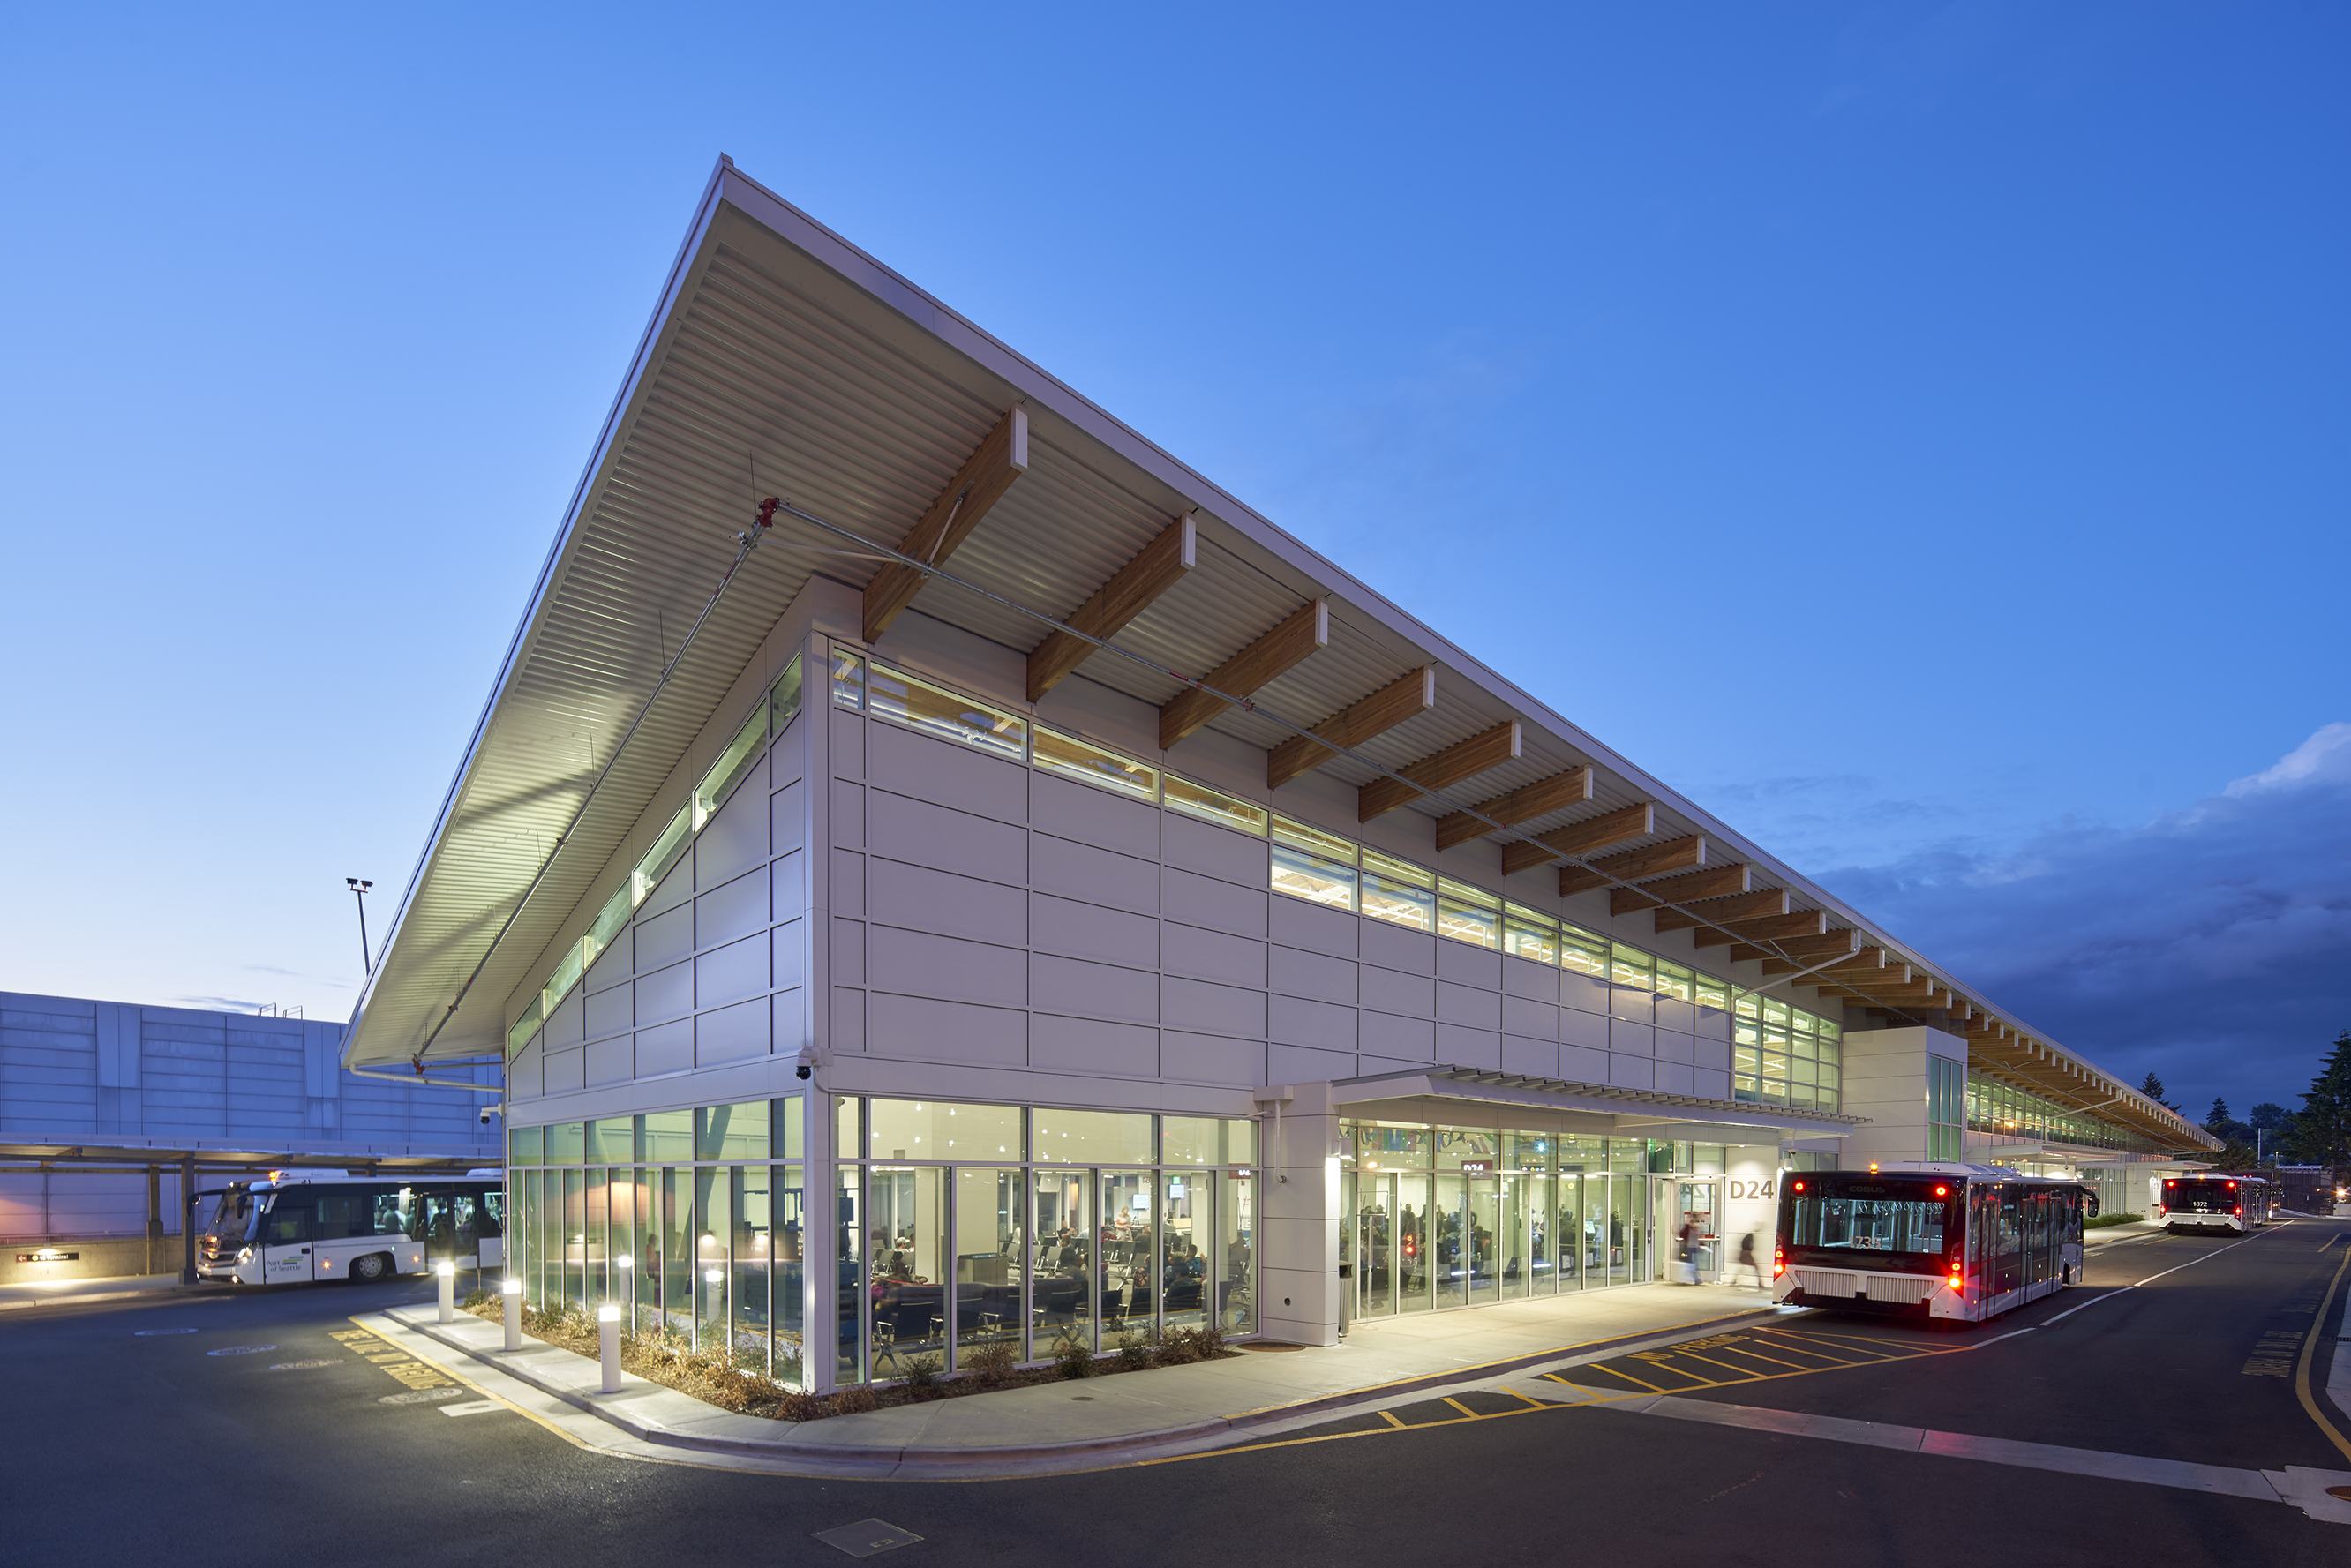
<point x="1917" y="433"/>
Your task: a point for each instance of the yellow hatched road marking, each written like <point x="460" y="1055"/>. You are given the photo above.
<point x="1800" y="1349"/>
<point x="1727" y="1366"/>
<point x="1614" y="1372"/>
<point x="1836" y="1339"/>
<point x="1390" y="1417"/>
<point x="1775" y="1360"/>
<point x="1459" y="1405"/>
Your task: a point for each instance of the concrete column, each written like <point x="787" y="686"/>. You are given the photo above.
<point x="1298" y="1264"/>
<point x="154" y="1214"/>
<point x="187" y="1220"/>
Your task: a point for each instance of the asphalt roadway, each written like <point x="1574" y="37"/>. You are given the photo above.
<point x="255" y="1429"/>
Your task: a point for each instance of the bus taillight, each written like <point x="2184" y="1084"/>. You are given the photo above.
<point x="1779" y="1260"/>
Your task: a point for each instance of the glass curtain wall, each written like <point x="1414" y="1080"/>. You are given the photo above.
<point x="706" y="1250"/>
<point x="1456" y="1217"/>
<point x="1105" y="1222"/>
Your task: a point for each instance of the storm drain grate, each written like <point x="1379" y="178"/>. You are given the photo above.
<point x="866" y="1537"/>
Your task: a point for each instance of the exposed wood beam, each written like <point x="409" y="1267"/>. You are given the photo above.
<point x="1714" y="881"/>
<point x="1271" y="656"/>
<point x="1721" y="910"/>
<point x="1581" y="838"/>
<point x="1869" y="966"/>
<point x="1523" y="804"/>
<point x="1804" y="952"/>
<point x="1352" y="726"/>
<point x="1482" y="753"/>
<point x="1800" y="924"/>
<point x="978" y="485"/>
<point x="1156" y="567"/>
<point x="1675" y="855"/>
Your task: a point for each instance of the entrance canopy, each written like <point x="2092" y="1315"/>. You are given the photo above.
<point x="1650" y="1112"/>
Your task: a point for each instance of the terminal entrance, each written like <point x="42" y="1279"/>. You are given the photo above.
<point x="1425" y="1242"/>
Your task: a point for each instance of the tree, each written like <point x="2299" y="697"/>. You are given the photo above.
<point x="2269" y="1117"/>
<point x="2218" y="1118"/>
<point x="2321" y="1134"/>
<point x="2153" y="1090"/>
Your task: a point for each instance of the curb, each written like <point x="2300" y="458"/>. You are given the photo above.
<point x="953" y="1458"/>
<point x="76" y="1298"/>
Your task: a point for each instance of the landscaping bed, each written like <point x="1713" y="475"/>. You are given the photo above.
<point x="664" y="1357"/>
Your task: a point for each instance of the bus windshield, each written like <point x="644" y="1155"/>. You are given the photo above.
<point x="233" y="1216"/>
<point x="1870" y="1224"/>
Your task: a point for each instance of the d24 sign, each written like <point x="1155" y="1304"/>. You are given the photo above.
<point x="1759" y="1191"/>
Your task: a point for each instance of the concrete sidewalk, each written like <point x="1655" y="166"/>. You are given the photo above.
<point x="54" y="1292"/>
<point x="1072" y="1425"/>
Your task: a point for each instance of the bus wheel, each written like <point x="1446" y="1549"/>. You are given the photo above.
<point x="366" y="1271"/>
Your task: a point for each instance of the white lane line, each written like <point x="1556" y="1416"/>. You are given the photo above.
<point x="2150" y="1280"/>
<point x="474" y="1407"/>
<point x="1959" y="1445"/>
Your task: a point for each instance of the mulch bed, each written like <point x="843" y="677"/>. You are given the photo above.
<point x="666" y="1360"/>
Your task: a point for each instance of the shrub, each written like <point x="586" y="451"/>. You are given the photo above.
<point x="1180" y="1348"/>
<point x="1071" y="1358"/>
<point x="2106" y="1219"/>
<point x="796" y="1405"/>
<point x="1209" y="1338"/>
<point x="1135" y="1352"/>
<point x="992" y="1362"/>
<point x="921" y="1376"/>
<point x="856" y="1401"/>
<point x="477" y="1299"/>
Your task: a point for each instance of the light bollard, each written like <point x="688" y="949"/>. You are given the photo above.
<point x="448" y="1273"/>
<point x="608" y="1345"/>
<point x="513" y="1288"/>
<point x="628" y="1268"/>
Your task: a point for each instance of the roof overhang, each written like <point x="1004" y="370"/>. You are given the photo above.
<point x="216" y="1154"/>
<point x="781" y="360"/>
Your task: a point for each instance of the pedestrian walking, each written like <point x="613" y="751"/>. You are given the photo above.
<point x="1689" y="1249"/>
<point x="1746" y="1260"/>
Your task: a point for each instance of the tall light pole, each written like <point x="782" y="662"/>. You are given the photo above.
<point x="360" y="892"/>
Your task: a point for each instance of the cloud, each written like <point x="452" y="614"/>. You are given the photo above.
<point x="2212" y="945"/>
<point x="221" y="1004"/>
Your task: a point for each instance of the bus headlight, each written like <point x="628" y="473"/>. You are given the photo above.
<point x="245" y="1256"/>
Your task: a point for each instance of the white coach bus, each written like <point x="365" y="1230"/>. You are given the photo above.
<point x="294" y="1230"/>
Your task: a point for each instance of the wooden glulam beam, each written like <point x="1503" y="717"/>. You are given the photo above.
<point x="1156" y="567"/>
<point x="1766" y="928"/>
<point x="1523" y="804"/>
<point x="999" y="459"/>
<point x="1268" y="658"/>
<point x="1804" y="952"/>
<point x="1399" y="700"/>
<point x="1872" y="965"/>
<point x="1655" y="860"/>
<point x="1581" y="838"/>
<point x="1721" y="910"/>
<point x="1714" y="881"/>
<point x="1482" y="753"/>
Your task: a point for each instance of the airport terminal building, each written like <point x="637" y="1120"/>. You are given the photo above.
<point x="937" y="870"/>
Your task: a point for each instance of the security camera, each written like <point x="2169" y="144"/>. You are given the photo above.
<point x="489" y="1112"/>
<point x="805" y="1063"/>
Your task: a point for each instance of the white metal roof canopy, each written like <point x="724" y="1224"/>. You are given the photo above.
<point x="781" y="360"/>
